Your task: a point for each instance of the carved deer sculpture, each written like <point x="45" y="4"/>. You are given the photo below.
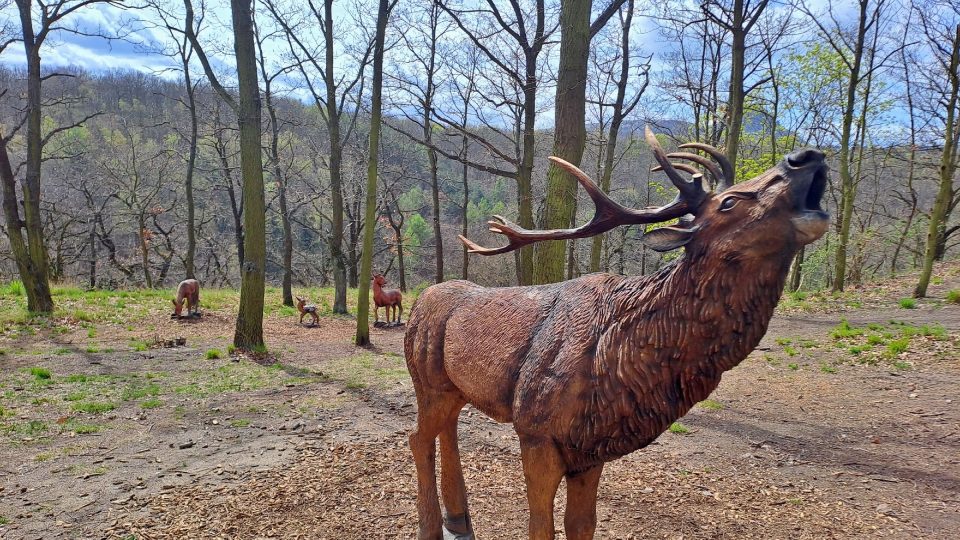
<point x="188" y="291"/>
<point x="391" y="300"/>
<point x="307" y="309"/>
<point x="594" y="368"/>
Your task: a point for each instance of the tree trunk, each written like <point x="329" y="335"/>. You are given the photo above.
<point x="336" y="178"/>
<point x="37" y="284"/>
<point x="847" y="186"/>
<point x="464" y="227"/>
<point x="249" y="330"/>
<point x="11" y="214"/>
<point x="144" y="251"/>
<point x="569" y="134"/>
<point x="366" y="262"/>
<point x="188" y="262"/>
<point x="738" y="50"/>
<point x="947" y="167"/>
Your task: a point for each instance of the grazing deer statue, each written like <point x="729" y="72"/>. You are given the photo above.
<point x="189" y="291"/>
<point x="306" y="309"/>
<point x="388" y="299"/>
<point x="591" y="369"/>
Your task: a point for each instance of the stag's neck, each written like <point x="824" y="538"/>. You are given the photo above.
<point x="669" y="338"/>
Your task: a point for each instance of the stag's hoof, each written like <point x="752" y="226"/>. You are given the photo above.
<point x="450" y="535"/>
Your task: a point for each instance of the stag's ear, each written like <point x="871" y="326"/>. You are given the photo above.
<point x="667" y="238"/>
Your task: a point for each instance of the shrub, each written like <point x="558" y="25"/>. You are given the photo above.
<point x="954" y="296"/>
<point x="908" y="303"/>
<point x="678" y="429"/>
<point x="213" y="354"/>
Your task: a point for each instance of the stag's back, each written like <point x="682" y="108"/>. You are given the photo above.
<point x="487" y="343"/>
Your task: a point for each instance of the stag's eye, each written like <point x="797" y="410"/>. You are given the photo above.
<point x="728" y="203"/>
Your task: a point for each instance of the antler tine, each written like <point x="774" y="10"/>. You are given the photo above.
<point x="689" y="191"/>
<point x="608" y="215"/>
<point x="697" y="158"/>
<point x="679" y="166"/>
<point x="721" y="158"/>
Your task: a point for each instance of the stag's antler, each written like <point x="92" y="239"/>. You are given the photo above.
<point x="725" y="180"/>
<point x="608" y="214"/>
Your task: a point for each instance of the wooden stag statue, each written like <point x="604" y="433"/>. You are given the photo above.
<point x="389" y="299"/>
<point x="188" y="291"/>
<point x="594" y="368"/>
<point x="307" y="309"/>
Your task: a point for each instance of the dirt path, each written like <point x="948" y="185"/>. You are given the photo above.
<point x="804" y="440"/>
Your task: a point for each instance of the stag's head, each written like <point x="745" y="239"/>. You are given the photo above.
<point x="771" y="215"/>
<point x="379" y="279"/>
<point x="177" y="309"/>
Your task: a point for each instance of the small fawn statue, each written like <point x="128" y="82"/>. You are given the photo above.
<point x="307" y="309"/>
<point x="189" y="291"/>
<point x="389" y="299"/>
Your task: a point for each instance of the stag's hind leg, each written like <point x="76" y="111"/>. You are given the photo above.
<point x="456" y="517"/>
<point x="435" y="413"/>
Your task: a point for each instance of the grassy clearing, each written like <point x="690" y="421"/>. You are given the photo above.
<point x="86" y="310"/>
<point x="876" y="343"/>
<point x="368" y="369"/>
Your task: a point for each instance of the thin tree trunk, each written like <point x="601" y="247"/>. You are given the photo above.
<point x="336" y="160"/>
<point x="846" y="180"/>
<point x="947" y="167"/>
<point x="366" y="262"/>
<point x="188" y="261"/>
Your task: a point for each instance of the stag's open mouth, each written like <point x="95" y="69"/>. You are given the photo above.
<point x="811" y="220"/>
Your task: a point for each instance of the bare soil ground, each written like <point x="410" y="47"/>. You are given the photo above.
<point x="828" y="430"/>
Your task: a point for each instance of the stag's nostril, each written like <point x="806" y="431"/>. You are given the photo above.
<point x="805" y="157"/>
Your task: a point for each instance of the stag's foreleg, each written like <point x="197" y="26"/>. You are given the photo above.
<point x="435" y="412"/>
<point x="580" y="519"/>
<point x="543" y="468"/>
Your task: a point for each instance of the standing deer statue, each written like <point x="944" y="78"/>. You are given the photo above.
<point x="591" y="369"/>
<point x="391" y="300"/>
<point x="188" y="291"/>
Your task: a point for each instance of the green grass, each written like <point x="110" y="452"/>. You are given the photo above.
<point x="953" y="296"/>
<point x="908" y="303"/>
<point x="897" y="346"/>
<point x="678" y="429"/>
<point x="139" y="345"/>
<point x="81" y="428"/>
<point x="239" y="423"/>
<point x="793" y="367"/>
<point x="151" y="403"/>
<point x="789" y="350"/>
<point x="75" y="396"/>
<point x="845" y="331"/>
<point x="711" y="405"/>
<point x="40" y="373"/>
<point x="213" y="354"/>
<point x="138" y="391"/>
<point x="93" y="407"/>
<point x="827" y="368"/>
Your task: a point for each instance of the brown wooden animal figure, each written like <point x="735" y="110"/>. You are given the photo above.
<point x="189" y="291"/>
<point x="306" y="309"/>
<point x="594" y="368"/>
<point x="389" y="299"/>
